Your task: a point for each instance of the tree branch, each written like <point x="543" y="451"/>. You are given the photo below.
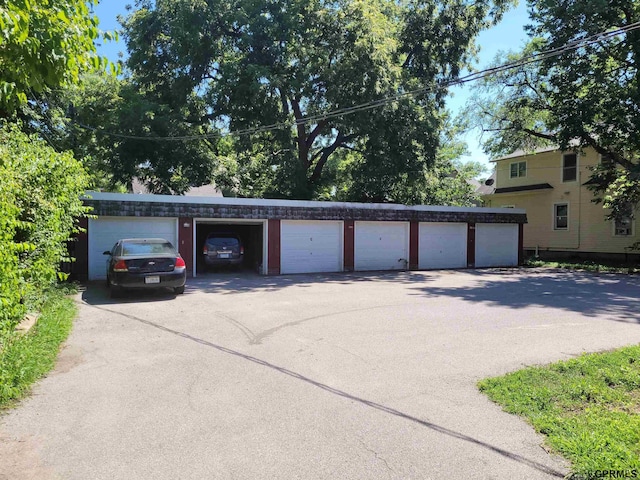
<point x="528" y="84"/>
<point x="315" y="156"/>
<point x="546" y="136"/>
<point x="326" y="153"/>
<point x="303" y="148"/>
<point x="528" y="131"/>
<point x="283" y="100"/>
<point x="315" y="132"/>
<point x="410" y="55"/>
<point x="616" y="157"/>
<point x="352" y="149"/>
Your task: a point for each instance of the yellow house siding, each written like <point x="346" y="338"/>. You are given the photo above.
<point x="543" y="168"/>
<point x="587" y="230"/>
<point x="598" y="233"/>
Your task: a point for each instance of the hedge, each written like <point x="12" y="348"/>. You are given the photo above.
<point x="40" y="204"/>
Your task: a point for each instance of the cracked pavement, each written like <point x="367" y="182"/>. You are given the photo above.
<point x="350" y="376"/>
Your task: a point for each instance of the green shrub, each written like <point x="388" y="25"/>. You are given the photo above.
<point x="11" y="282"/>
<point x="39" y="207"/>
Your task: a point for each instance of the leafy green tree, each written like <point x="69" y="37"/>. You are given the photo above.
<point x="448" y="181"/>
<point x="165" y="167"/>
<point x="39" y="205"/>
<point x="56" y="116"/>
<point x="44" y="44"/>
<point x="236" y="67"/>
<point x="586" y="97"/>
<point x="62" y="117"/>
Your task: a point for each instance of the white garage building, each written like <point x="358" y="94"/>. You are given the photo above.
<point x="290" y="236"/>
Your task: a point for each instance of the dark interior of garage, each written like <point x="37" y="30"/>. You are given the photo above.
<point x="251" y="237"/>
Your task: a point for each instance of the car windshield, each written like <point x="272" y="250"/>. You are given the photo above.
<point x="222" y="241"/>
<point x="147" y="248"/>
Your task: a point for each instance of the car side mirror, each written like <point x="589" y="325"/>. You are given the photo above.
<point x="107" y="252"/>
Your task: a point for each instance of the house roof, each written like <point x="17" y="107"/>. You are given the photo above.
<point x="211" y="190"/>
<point x="591" y="181"/>
<point x="524" y="188"/>
<point x="204" y="191"/>
<point x="524" y="153"/>
<point x="488" y="186"/>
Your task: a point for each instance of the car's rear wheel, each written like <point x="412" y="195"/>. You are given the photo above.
<point x="178" y="290"/>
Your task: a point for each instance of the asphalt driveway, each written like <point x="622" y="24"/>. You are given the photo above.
<point x="346" y="376"/>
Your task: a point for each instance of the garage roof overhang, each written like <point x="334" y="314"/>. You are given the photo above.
<point x="132" y="205"/>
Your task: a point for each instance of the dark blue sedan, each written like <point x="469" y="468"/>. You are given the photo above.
<point x="145" y="263"/>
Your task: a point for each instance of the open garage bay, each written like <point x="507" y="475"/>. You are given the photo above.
<point x="250" y="234"/>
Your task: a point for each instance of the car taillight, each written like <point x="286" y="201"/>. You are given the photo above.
<point x="205" y="250"/>
<point x="120" y="266"/>
<point x="180" y="263"/>
<point x="241" y="250"/>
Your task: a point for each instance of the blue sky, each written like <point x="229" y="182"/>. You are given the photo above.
<point x="508" y="35"/>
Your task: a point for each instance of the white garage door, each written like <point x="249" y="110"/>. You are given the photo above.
<point x="104" y="232"/>
<point x="310" y="246"/>
<point x="442" y="245"/>
<point x="381" y="245"/>
<point x="496" y="245"/>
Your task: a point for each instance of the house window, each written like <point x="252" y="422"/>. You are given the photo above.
<point x="518" y="169"/>
<point x="623" y="227"/>
<point x="561" y="216"/>
<point x="569" y="167"/>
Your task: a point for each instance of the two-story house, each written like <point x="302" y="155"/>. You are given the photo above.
<point x="563" y="220"/>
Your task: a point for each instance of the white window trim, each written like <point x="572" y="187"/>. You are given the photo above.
<point x="553" y="224"/>
<point x="633" y="230"/>
<point x="526" y="169"/>
<point x="562" y="167"/>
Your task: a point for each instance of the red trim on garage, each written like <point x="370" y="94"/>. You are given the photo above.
<point x="79" y="249"/>
<point x="273" y="265"/>
<point x="349" y="245"/>
<point x="520" y="243"/>
<point x="185" y="242"/>
<point x="414" y="244"/>
<point x="471" y="245"/>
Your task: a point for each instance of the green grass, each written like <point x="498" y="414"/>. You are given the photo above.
<point x="588" y="407"/>
<point x="587" y="266"/>
<point x="26" y="357"/>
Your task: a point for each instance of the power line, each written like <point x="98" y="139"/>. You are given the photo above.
<point x="377" y="103"/>
<point x="534" y="58"/>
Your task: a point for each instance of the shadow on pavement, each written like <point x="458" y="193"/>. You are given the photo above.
<point x="230" y="282"/>
<point x="612" y="295"/>
<point x="96" y="293"/>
